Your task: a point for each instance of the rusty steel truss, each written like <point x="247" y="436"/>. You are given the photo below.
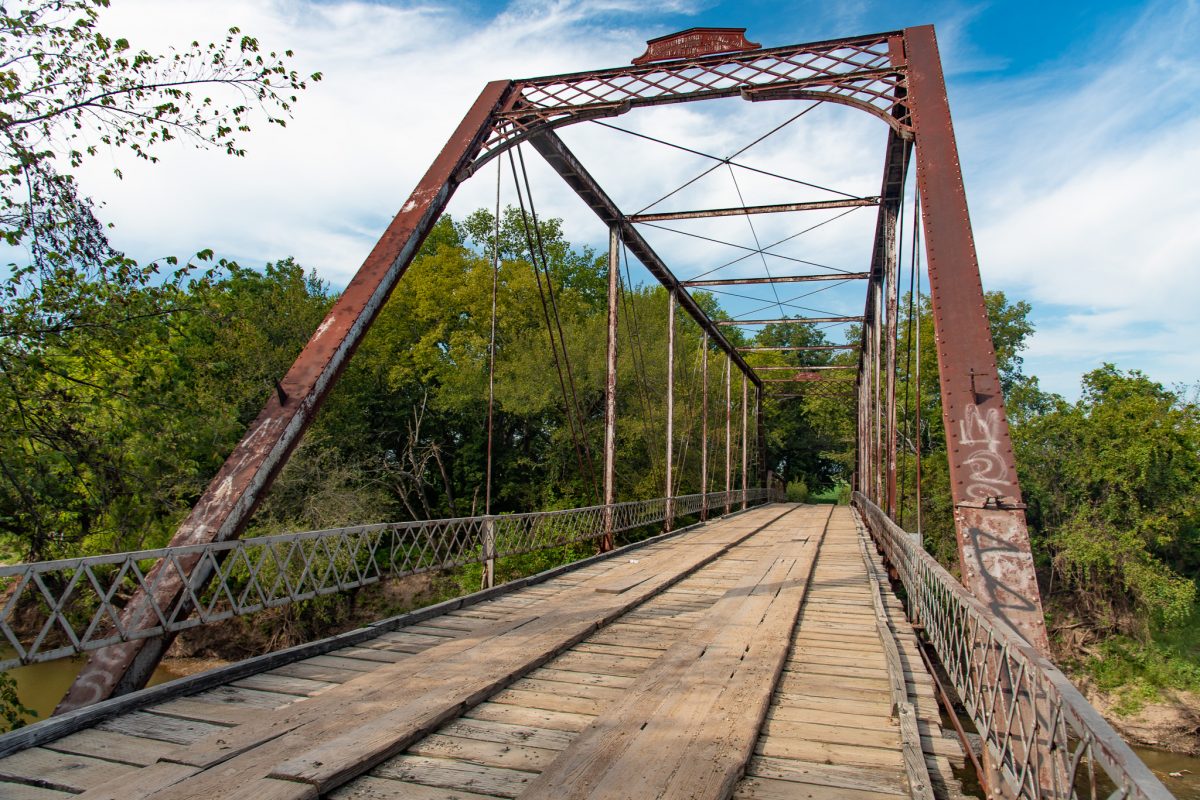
<point x="896" y="77"/>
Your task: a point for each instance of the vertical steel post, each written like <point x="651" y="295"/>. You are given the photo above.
<point x="728" y="438"/>
<point x="877" y="359"/>
<point x="669" y="521"/>
<point x="892" y="286"/>
<point x="761" y="437"/>
<point x="745" y="440"/>
<point x="247" y="474"/>
<point x="860" y="389"/>
<point x="704" y="427"/>
<point x="993" y="541"/>
<point x="610" y="388"/>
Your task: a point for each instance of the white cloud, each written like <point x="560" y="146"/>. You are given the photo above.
<point x="1082" y="180"/>
<point x="1083" y="183"/>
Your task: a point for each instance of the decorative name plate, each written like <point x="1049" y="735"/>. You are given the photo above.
<point x="695" y="42"/>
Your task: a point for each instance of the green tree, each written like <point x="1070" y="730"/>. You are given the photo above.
<point x="87" y="335"/>
<point x="1113" y="485"/>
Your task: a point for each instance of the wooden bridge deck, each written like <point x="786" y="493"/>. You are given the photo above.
<point x="741" y="658"/>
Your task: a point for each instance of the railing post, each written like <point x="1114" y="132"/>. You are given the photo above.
<point x="669" y="522"/>
<point x="704" y="427"/>
<point x="610" y="388"/>
<point x="489" y="552"/>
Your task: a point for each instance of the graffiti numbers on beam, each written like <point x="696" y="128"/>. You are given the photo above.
<point x="987" y="470"/>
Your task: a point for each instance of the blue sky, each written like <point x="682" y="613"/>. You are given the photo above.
<point x="1079" y="138"/>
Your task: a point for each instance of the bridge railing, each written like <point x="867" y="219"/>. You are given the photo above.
<point x="55" y="609"/>
<point x="1042" y="739"/>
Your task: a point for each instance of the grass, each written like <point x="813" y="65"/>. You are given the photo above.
<point x="837" y="495"/>
<point x="1138" y="672"/>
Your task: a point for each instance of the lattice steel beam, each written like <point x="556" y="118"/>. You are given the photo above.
<point x="833" y="276"/>
<point x="817" y="205"/>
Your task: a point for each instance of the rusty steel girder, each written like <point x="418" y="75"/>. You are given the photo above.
<point x="894" y="76"/>
<point x="989" y="517"/>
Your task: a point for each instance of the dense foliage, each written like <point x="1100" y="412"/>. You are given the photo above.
<point x="1112" y="482"/>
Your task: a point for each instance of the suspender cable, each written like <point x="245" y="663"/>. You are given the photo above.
<point x="487" y="493"/>
<point x="562" y="339"/>
<point x="917" y="270"/>
<point x="908" y="351"/>
<point x="546" y="315"/>
<point x="489" y="528"/>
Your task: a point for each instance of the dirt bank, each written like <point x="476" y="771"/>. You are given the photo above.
<point x="1171" y="723"/>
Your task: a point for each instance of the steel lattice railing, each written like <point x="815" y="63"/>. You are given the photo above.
<point x="1042" y="739"/>
<point x="54" y="609"/>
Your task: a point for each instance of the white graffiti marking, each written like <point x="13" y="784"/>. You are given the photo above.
<point x="989" y="472"/>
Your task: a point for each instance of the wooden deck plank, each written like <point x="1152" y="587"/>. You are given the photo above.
<point x="65" y="772"/>
<point x="157" y="726"/>
<point x="504" y="733"/>
<point x="138" y="784"/>
<point x="280" y="684"/>
<point x="480" y="751"/>
<point x="531" y="717"/>
<point x="450" y="774"/>
<point x="227" y="714"/>
<point x="681" y="730"/>
<point x="245" y="698"/>
<point x="23" y="791"/>
<point x="369" y="787"/>
<point x="110" y="746"/>
<point x="322" y="742"/>
<point x="835" y="776"/>
<point x="771" y="789"/>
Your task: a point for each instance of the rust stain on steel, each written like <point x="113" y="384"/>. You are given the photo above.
<point x="993" y="539"/>
<point x="232" y="496"/>
<point x="696" y="42"/>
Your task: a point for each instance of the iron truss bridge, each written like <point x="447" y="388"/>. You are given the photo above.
<point x="750" y="647"/>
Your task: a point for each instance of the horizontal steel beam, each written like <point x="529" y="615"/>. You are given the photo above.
<point x="833" y="276"/>
<point x="802" y="395"/>
<point x="744" y="210"/>
<point x="814" y="367"/>
<point x="798" y="348"/>
<point x="564" y="162"/>
<point x="808" y="376"/>
<point x="786" y="320"/>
